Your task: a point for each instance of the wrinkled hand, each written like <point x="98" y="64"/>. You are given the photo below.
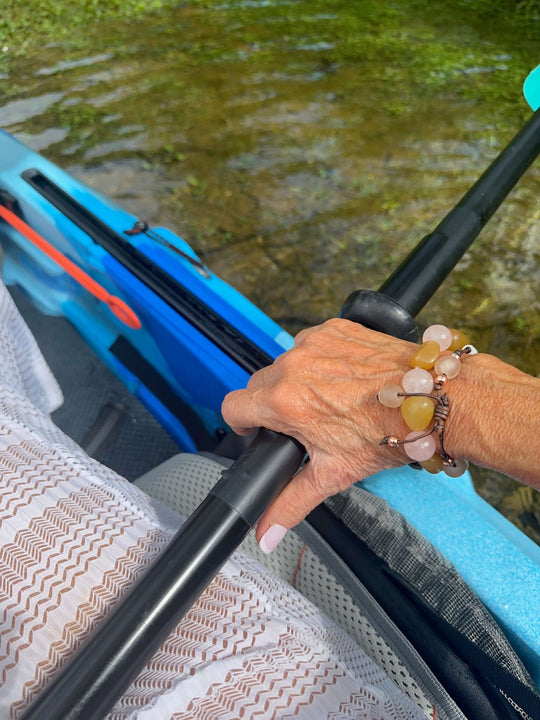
<point x="323" y="392"/>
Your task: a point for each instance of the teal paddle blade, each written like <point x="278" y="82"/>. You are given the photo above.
<point x="531" y="88"/>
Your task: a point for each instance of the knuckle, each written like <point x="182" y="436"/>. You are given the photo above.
<point x="326" y="486"/>
<point x="228" y="403"/>
<point x="286" y="362"/>
<point x="331" y="477"/>
<point x="284" y="398"/>
<point x="294" y="363"/>
<point x="338" y="326"/>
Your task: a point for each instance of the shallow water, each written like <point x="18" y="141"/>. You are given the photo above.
<point x="303" y="148"/>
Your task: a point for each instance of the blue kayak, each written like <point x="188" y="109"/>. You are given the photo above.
<point x="199" y="338"/>
<point x="184" y="338"/>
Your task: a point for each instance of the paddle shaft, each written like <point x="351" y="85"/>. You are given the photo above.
<point x="422" y="272"/>
<point x="98" y="674"/>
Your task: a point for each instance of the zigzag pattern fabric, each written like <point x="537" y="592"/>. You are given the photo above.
<point x="74" y="536"/>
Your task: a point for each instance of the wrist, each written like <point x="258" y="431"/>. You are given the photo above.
<point x="493" y="414"/>
<point x="470" y="396"/>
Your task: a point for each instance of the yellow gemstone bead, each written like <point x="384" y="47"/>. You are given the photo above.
<point x="417" y="412"/>
<point x="434" y="465"/>
<point x="426" y="355"/>
<point x="459" y="339"/>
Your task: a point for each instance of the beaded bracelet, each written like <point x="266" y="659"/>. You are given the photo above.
<point x="422" y="401"/>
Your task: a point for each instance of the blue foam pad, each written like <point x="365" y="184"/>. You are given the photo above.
<point x="496" y="559"/>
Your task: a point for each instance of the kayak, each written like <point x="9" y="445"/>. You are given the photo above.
<point x="175" y="338"/>
<point x="199" y="337"/>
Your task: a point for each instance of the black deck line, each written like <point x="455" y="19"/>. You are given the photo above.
<point x="206" y="320"/>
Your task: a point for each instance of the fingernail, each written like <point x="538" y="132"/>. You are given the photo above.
<point x="271" y="538"/>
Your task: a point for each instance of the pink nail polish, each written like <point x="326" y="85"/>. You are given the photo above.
<point x="271" y="538"/>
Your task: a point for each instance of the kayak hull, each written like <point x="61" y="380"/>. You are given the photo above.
<point x="168" y="351"/>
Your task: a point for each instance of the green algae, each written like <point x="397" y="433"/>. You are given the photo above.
<point x="23" y="26"/>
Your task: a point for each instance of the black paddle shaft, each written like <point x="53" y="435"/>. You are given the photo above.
<point x="98" y="674"/>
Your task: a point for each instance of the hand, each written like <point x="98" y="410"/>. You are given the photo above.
<point x="323" y="392"/>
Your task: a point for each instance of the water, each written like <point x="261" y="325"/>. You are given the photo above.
<point x="303" y="148"/>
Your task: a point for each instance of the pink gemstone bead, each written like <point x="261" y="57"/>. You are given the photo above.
<point x="440" y="334"/>
<point x="457" y="469"/>
<point x="417" y="380"/>
<point x="448" y="365"/>
<point x="421" y="449"/>
<point x="388" y="396"/>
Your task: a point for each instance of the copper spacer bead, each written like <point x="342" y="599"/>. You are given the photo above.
<point x="448" y="461"/>
<point x="440" y="380"/>
<point x="393" y="441"/>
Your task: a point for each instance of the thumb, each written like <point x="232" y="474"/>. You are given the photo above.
<point x="296" y="500"/>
